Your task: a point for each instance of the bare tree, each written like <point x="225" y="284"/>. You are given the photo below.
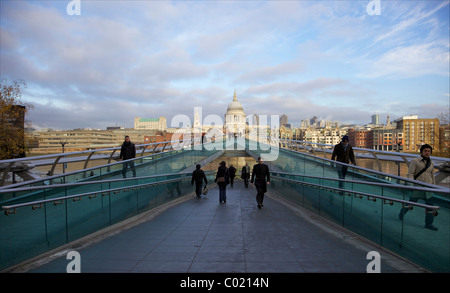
<point x="12" y="117"/>
<point x="444" y="135"/>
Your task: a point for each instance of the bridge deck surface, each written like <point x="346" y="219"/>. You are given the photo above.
<point x="202" y="235"/>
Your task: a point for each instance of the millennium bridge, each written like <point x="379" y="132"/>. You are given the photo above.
<point x="312" y="221"/>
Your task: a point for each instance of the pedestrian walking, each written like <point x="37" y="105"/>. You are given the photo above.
<point x="232" y="170"/>
<point x="343" y="152"/>
<point x="261" y="177"/>
<point x="245" y="174"/>
<point x="127" y="153"/>
<point x="422" y="169"/>
<point x="198" y="176"/>
<point x="222" y="179"/>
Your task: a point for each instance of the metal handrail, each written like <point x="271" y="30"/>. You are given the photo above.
<point x="368" y="170"/>
<point x="51" y="156"/>
<point x="72" y="184"/>
<point x="367" y="150"/>
<point x="98" y="150"/>
<point x="8" y="187"/>
<point x="193" y="141"/>
<point x="58" y="157"/>
<point x="386" y="200"/>
<point x="80" y="171"/>
<point x="84" y="152"/>
<point x="58" y="200"/>
<point x="438" y="189"/>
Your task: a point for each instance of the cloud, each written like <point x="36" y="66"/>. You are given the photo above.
<point x="304" y="89"/>
<point x="412" y="19"/>
<point x="121" y="59"/>
<point x="412" y="44"/>
<point x="270" y="73"/>
<point x="411" y="61"/>
<point x="298" y="108"/>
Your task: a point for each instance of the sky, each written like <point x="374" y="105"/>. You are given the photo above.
<point x="94" y="64"/>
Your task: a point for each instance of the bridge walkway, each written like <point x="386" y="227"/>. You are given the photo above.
<point x="194" y="235"/>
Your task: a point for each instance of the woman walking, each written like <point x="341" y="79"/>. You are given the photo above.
<point x="222" y="179"/>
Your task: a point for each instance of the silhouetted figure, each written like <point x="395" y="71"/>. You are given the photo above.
<point x="128" y="152"/>
<point x="222" y="179"/>
<point x="198" y="176"/>
<point x="261" y="177"/>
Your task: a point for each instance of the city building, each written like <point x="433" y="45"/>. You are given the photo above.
<point x="56" y="141"/>
<point x="159" y="136"/>
<point x="323" y="135"/>
<point x="313" y="121"/>
<point x="387" y="138"/>
<point x="375" y="119"/>
<point x="284" y="121"/>
<point x="235" y="123"/>
<point x="74" y="140"/>
<point x="304" y="123"/>
<point x="150" y="123"/>
<point x="360" y="138"/>
<point x="383" y="137"/>
<point x="418" y="131"/>
<point x="406" y="134"/>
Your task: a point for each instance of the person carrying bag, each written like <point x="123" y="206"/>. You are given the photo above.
<point x="422" y="169"/>
<point x="198" y="176"/>
<point x="222" y="179"/>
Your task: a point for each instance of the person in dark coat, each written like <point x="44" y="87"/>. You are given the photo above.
<point x="261" y="177"/>
<point x="232" y="171"/>
<point x="222" y="179"/>
<point x="198" y="176"/>
<point x="128" y="152"/>
<point x="343" y="152"/>
<point x="245" y="174"/>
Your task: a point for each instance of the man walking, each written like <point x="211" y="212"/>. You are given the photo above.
<point x="261" y="177"/>
<point x="343" y="152"/>
<point x="198" y="176"/>
<point x="422" y="169"/>
<point x="128" y="152"/>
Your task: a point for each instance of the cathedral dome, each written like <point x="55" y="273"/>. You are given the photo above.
<point x="235" y="105"/>
<point x="235" y="118"/>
